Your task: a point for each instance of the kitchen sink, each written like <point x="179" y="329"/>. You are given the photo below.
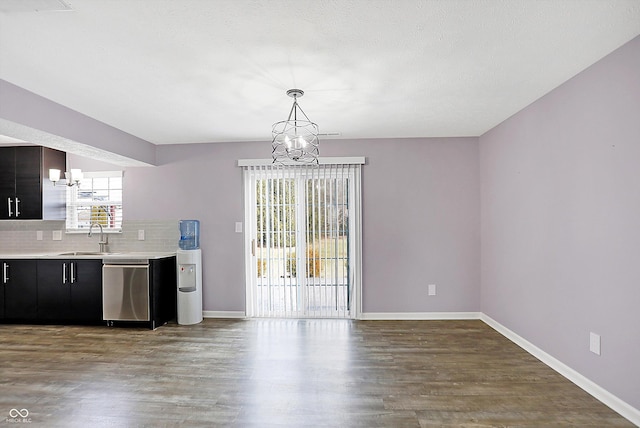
<point x="84" y="253"/>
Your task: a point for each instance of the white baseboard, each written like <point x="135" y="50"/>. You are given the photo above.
<point x="223" y="314"/>
<point x="623" y="408"/>
<point x="420" y="316"/>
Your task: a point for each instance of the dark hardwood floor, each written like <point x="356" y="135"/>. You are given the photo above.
<point x="285" y="373"/>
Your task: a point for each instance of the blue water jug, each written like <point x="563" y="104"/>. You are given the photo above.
<point x="189" y="234"/>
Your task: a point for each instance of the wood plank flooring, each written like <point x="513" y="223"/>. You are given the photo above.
<point x="285" y="373"/>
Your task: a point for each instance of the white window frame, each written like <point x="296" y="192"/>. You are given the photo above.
<point x="71" y="222"/>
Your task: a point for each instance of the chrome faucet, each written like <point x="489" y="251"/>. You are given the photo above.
<point x="103" y="239"/>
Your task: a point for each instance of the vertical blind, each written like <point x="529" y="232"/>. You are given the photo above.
<point x="303" y="240"/>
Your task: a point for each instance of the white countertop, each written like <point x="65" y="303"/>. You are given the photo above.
<point x="88" y="255"/>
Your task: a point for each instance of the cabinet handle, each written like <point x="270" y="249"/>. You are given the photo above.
<point x="64" y="273"/>
<point x="9" y="202"/>
<point x="17" y="207"/>
<point x="5" y="273"/>
<point x="73" y="273"/>
<point x="253" y="247"/>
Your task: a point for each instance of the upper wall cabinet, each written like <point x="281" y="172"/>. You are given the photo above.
<point x="25" y="190"/>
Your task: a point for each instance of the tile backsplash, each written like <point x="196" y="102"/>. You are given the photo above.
<point x="21" y="236"/>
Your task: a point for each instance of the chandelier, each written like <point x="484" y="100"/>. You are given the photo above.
<point x="295" y="139"/>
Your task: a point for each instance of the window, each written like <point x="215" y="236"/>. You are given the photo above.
<point x="98" y="199"/>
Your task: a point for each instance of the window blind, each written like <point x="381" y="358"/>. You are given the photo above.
<point x="97" y="199"/>
<point x="303" y="239"/>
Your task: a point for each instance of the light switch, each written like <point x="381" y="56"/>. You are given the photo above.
<point x="238" y="227"/>
<point x="594" y="343"/>
<point x="432" y="290"/>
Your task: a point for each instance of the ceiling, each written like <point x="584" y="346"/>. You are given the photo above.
<point x="194" y="71"/>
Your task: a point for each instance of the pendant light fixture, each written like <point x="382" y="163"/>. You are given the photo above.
<point x="295" y="139"/>
<point x="73" y="176"/>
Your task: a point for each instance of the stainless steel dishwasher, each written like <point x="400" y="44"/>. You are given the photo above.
<point x="125" y="290"/>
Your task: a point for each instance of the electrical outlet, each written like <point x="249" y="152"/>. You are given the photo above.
<point x="141" y="235"/>
<point x="56" y="235"/>
<point x="39" y="235"/>
<point x="432" y="289"/>
<point x="594" y="343"/>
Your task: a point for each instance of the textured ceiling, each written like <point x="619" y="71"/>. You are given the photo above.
<point x="189" y="71"/>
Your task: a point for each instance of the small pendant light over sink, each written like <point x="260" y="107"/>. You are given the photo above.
<point x="295" y="139"/>
<point x="73" y="176"/>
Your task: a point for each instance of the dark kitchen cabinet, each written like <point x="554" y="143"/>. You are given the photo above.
<point x="163" y="290"/>
<point x="25" y="190"/>
<point x="19" y="290"/>
<point x="70" y="290"/>
<point x="2" y="286"/>
<point x="7" y="182"/>
<point x="86" y="291"/>
<point x="54" y="294"/>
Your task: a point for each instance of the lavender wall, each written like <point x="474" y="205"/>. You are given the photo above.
<point x="420" y="217"/>
<point x="560" y="192"/>
<point x="420" y="224"/>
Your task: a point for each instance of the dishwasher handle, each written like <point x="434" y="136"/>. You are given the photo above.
<point x="126" y="266"/>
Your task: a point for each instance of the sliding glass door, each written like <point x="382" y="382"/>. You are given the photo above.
<point x="302" y="240"/>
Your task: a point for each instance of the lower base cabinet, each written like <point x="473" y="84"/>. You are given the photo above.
<point x="69" y="290"/>
<point x="18" y="296"/>
<point x="163" y="288"/>
<point x="86" y="293"/>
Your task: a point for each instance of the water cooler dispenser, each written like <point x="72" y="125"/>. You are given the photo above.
<point x="189" y="259"/>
